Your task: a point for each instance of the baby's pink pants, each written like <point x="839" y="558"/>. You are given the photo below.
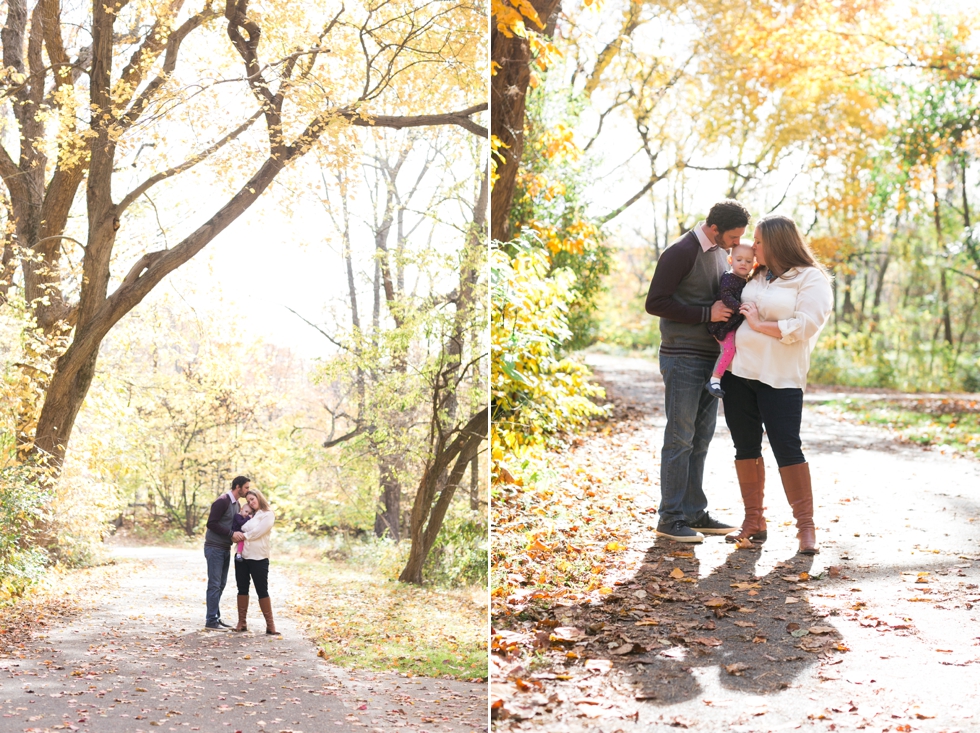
<point x="727" y="354"/>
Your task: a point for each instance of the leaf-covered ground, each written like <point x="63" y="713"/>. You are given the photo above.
<point x="598" y="625"/>
<point x="366" y="621"/>
<point x="58" y="599"/>
<point x="136" y="659"/>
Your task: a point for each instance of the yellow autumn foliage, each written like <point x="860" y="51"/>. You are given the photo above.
<point x="536" y="392"/>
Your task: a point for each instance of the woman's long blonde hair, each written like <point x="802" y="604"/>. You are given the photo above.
<point x="263" y="504"/>
<point x="784" y="246"/>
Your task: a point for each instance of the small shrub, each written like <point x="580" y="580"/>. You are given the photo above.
<point x="25" y="491"/>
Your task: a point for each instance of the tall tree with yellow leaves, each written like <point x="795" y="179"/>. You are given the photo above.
<point x="166" y="86"/>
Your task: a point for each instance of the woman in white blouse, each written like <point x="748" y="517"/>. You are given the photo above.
<point x="785" y="304"/>
<point x="256" y="533"/>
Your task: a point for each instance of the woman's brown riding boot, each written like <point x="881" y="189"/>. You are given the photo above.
<point x="796" y="482"/>
<point x="270" y="625"/>
<point x="751" y="474"/>
<point x="242" y="613"/>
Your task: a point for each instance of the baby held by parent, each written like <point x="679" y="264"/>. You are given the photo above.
<point x="742" y="259"/>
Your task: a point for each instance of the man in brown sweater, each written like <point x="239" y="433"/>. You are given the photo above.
<point x="682" y="294"/>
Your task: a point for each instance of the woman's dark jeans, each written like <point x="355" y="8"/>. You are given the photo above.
<point x="259" y="572"/>
<point x="750" y="405"/>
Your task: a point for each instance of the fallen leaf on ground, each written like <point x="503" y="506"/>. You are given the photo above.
<point x="539" y="546"/>
<point x="566" y="634"/>
<point x="707" y="641"/>
<point x="629" y="648"/>
<point x="822" y="630"/>
<point x="676" y="573"/>
<point x="598" y="665"/>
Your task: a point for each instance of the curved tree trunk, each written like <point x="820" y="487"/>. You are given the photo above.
<point x="508" y="95"/>
<point x="452" y="447"/>
<point x="427" y="517"/>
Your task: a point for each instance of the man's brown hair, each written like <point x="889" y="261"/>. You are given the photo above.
<point x="727" y="215"/>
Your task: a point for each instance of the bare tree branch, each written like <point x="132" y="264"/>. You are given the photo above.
<point x="146" y="185"/>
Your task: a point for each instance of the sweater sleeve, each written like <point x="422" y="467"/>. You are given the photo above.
<point x="813" y="304"/>
<point x="258" y="525"/>
<point x="218" y="509"/>
<point x="674" y="265"/>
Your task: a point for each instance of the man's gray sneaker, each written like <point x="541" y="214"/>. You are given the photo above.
<point x="678" y="531"/>
<point x="707" y="525"/>
<point x="216" y="626"/>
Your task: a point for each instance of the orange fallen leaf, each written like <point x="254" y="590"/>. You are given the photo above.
<point x="539" y="546"/>
<point x="676" y="573"/>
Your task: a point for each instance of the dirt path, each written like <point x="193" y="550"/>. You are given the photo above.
<point x="138" y="661"/>
<point x="877" y="632"/>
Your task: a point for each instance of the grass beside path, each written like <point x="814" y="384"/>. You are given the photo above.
<point x="945" y="422"/>
<point x="362" y="619"/>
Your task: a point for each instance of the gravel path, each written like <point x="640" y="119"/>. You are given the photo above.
<point x="139" y="661"/>
<point x="895" y="587"/>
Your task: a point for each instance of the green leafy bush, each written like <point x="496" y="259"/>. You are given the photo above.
<point x="536" y="392"/>
<point x="24" y="495"/>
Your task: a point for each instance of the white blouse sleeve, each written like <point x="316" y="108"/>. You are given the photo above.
<point x="258" y="525"/>
<point x="814" y="301"/>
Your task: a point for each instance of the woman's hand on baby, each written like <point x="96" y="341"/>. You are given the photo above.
<point x="751" y="313"/>
<point x="238" y="537"/>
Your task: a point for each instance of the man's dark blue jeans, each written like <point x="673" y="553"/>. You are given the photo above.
<point x="218" y="560"/>
<point x="691" y="415"/>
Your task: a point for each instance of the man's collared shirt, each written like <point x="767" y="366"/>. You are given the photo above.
<point x="706" y="244"/>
